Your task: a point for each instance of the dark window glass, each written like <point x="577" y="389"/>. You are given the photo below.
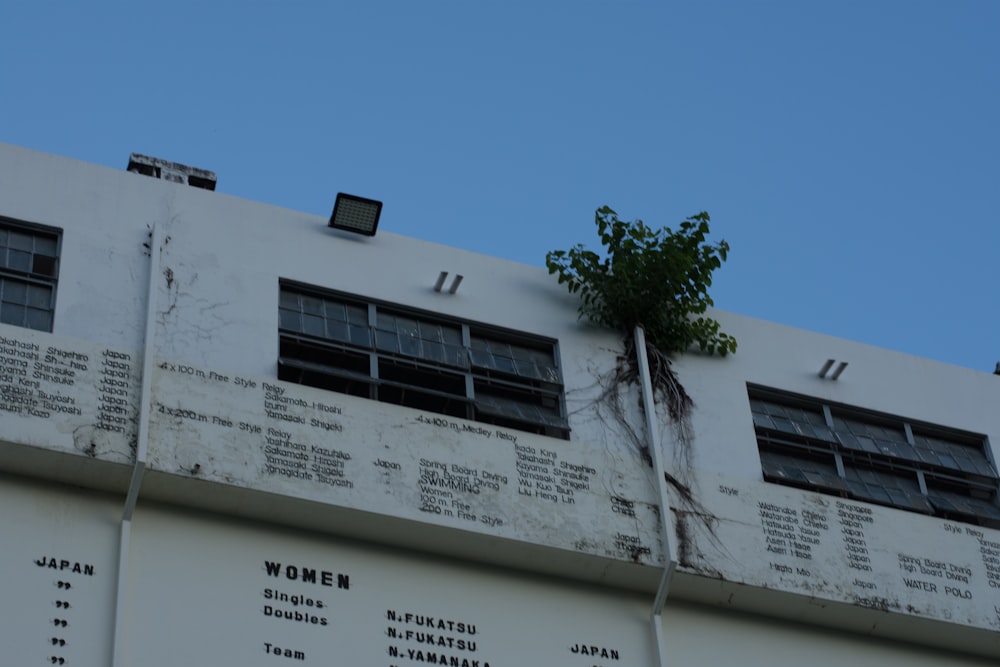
<point x="29" y="266"/>
<point x="419" y="360"/>
<point x="877" y="458"/>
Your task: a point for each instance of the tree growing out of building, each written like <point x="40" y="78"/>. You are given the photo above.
<point x="654" y="278"/>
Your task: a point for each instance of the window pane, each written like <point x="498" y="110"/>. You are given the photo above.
<point x="21" y="241"/>
<point x="775" y="410"/>
<point x="45" y="245"/>
<point x="527" y="368"/>
<point x="15" y="291"/>
<point x="785" y="425"/>
<point x="12" y="314"/>
<point x="311" y="304"/>
<point x="887" y="488"/>
<point x="409" y="345"/>
<point x="430" y="332"/>
<point x="386" y="340"/>
<point x="451" y="335"/>
<point x="39" y="297"/>
<point x="434" y="352"/>
<point x="336" y="311"/>
<point x="503" y="364"/>
<point x="956" y="503"/>
<point x="953" y="455"/>
<point x="360" y="336"/>
<point x="420" y="362"/>
<point x="313" y="325"/>
<point x="357" y="315"/>
<point x="290" y="320"/>
<point x="456" y="355"/>
<point x="42" y="265"/>
<point x="28" y="269"/>
<point x="866" y="444"/>
<point x="878" y="462"/>
<point x="40" y="320"/>
<point x="518" y="411"/>
<point x="793" y="420"/>
<point x="19" y="260"/>
<point x="407" y="327"/>
<point x="337" y="330"/>
<point x="809" y="469"/>
<point x="480" y="358"/>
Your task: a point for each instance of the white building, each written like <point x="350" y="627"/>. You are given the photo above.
<point x="195" y="468"/>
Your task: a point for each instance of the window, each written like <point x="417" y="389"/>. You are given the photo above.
<point x="29" y="266"/>
<point x="873" y="457"/>
<point x="421" y="360"/>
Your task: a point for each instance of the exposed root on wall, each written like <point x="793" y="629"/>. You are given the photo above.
<point x="618" y="407"/>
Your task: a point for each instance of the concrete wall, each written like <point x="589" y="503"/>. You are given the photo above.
<point x="217" y="447"/>
<point x="209" y="589"/>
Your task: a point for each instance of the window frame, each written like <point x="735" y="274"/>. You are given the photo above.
<point x="875" y="457"/>
<point x="396" y="354"/>
<point x="41" y="274"/>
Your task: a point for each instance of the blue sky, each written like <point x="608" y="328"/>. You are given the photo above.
<point x="848" y="150"/>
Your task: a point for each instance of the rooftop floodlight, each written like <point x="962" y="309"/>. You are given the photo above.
<point x="355" y="214"/>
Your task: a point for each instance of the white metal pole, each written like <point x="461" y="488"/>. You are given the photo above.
<point x="141" y="447"/>
<point x="656" y="455"/>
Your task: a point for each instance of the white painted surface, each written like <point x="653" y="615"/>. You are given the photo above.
<point x="828" y="548"/>
<point x="201" y="593"/>
<point x="296" y="441"/>
<point x="67" y="395"/>
<point x="700" y="636"/>
<point x="197" y="594"/>
<point x="58" y="554"/>
<point x="216" y="319"/>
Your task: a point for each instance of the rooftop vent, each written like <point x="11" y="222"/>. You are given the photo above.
<point x="171" y="171"/>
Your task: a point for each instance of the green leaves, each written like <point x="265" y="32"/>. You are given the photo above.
<point x="658" y="278"/>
